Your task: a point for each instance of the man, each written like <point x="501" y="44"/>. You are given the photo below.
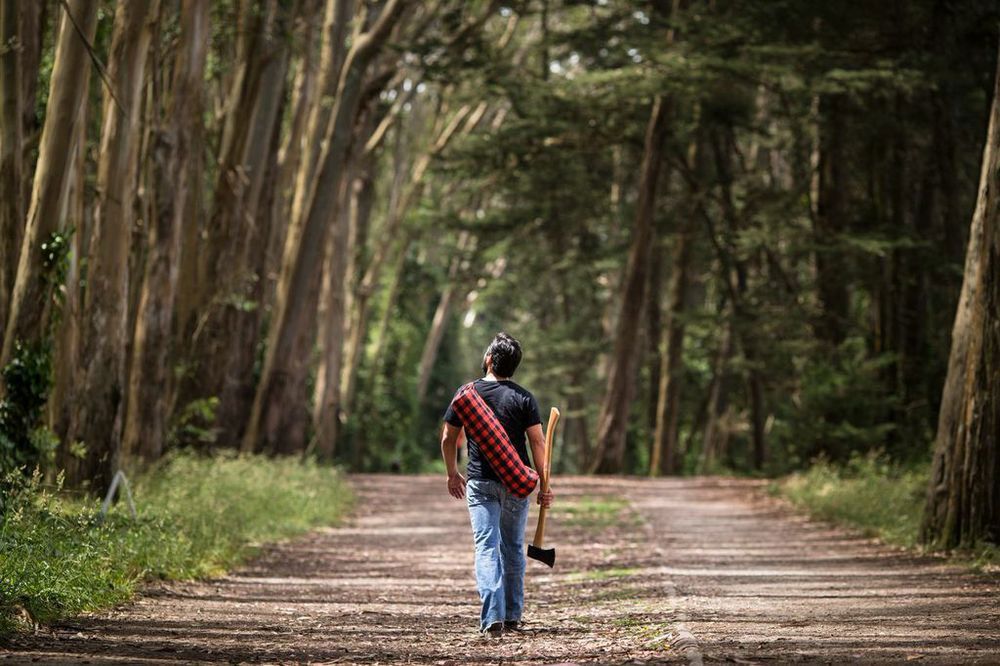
<point x="498" y="517"/>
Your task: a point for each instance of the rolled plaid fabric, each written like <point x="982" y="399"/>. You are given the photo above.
<point x="482" y="425"/>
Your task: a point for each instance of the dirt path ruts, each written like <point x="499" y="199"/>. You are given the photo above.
<point x="693" y="567"/>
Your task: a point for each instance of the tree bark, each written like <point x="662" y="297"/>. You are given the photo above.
<point x="441" y="314"/>
<point x="664" y="458"/>
<point x="392" y="295"/>
<point x="292" y="152"/>
<point x="716" y="436"/>
<point x="275" y="420"/>
<point x="653" y="333"/>
<point x="174" y="152"/>
<point x="613" y="420"/>
<point x="336" y="20"/>
<point x="963" y="497"/>
<point x="11" y="150"/>
<point x="31" y="293"/>
<point x="66" y="348"/>
<point x="230" y="313"/>
<point x="332" y="314"/>
<point x="104" y="340"/>
<point x="34" y="17"/>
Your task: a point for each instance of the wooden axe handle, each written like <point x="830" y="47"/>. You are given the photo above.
<point x="550" y="434"/>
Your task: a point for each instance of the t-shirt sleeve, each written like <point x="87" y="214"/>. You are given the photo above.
<point x="531" y="412"/>
<point x="450" y="416"/>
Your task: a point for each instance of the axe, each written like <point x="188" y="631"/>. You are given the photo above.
<point x="535" y="550"/>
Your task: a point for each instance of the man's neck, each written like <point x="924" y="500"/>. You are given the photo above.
<point x="490" y="377"/>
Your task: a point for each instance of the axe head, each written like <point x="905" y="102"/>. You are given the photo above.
<point x="546" y="555"/>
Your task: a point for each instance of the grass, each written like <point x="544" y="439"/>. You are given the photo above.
<point x="869" y="493"/>
<point x="880" y="499"/>
<point x="597" y="512"/>
<point x="198" y="517"/>
<point x="603" y="574"/>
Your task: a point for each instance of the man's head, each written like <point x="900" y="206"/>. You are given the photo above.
<point x="503" y="355"/>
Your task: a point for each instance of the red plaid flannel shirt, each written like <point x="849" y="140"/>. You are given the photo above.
<point x="482" y="425"/>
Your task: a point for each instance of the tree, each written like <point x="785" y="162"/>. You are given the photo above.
<point x="224" y="338"/>
<point x="613" y="419"/>
<point x="32" y="290"/>
<point x="963" y="497"/>
<point x="100" y="397"/>
<point x="664" y="457"/>
<point x="11" y="130"/>
<point x="276" y="421"/>
<point x="174" y="153"/>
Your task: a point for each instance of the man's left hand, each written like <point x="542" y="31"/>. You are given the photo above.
<point x="456" y="485"/>
<point x="545" y="499"/>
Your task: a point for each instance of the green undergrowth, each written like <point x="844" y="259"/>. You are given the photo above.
<point x="869" y="493"/>
<point x="880" y="499"/>
<point x="197" y="517"/>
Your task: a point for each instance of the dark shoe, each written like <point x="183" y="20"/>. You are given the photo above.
<point x="495" y="630"/>
<point x="513" y="625"/>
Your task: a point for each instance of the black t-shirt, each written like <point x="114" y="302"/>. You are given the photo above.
<point x="516" y="409"/>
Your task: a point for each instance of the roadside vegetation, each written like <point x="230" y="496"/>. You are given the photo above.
<point x="197" y="517"/>
<point x="869" y="492"/>
<point x="880" y="498"/>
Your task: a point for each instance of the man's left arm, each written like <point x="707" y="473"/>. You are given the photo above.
<point x="537" y="441"/>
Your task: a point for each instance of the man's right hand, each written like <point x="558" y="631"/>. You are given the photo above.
<point x="456" y="485"/>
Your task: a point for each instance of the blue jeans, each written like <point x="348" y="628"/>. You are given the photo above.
<point x="498" y="521"/>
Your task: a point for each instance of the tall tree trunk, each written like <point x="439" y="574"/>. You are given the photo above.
<point x="326" y="397"/>
<point x="830" y="221"/>
<point x="336" y="19"/>
<point x="963" y="497"/>
<point x="392" y="295"/>
<point x="103" y="342"/>
<point x="293" y="149"/>
<point x="664" y="459"/>
<point x="716" y="436"/>
<point x="276" y="423"/>
<point x="736" y="272"/>
<point x="34" y="17"/>
<point x="30" y="297"/>
<point x="230" y="314"/>
<point x="755" y="386"/>
<point x="653" y="335"/>
<point x="11" y="150"/>
<point x="613" y="420"/>
<point x="174" y="152"/>
<point x="66" y="349"/>
<point x="440" y="319"/>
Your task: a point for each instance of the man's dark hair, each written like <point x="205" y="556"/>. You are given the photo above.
<point x="506" y="354"/>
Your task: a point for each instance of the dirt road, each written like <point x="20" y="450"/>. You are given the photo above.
<point x="685" y="570"/>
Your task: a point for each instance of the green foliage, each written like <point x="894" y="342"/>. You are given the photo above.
<point x="840" y="409"/>
<point x="193" y="426"/>
<point x="55" y="260"/>
<point x="868" y="492"/>
<point x="197" y="517"/>
<point x="27" y="379"/>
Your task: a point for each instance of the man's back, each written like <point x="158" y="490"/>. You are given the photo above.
<point x="515" y="408"/>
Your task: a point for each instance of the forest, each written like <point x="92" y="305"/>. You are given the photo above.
<point x="732" y="237"/>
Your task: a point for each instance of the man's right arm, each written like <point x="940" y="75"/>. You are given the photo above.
<point x="449" y="451"/>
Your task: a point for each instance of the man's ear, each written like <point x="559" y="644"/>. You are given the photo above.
<point x="487" y="363"/>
